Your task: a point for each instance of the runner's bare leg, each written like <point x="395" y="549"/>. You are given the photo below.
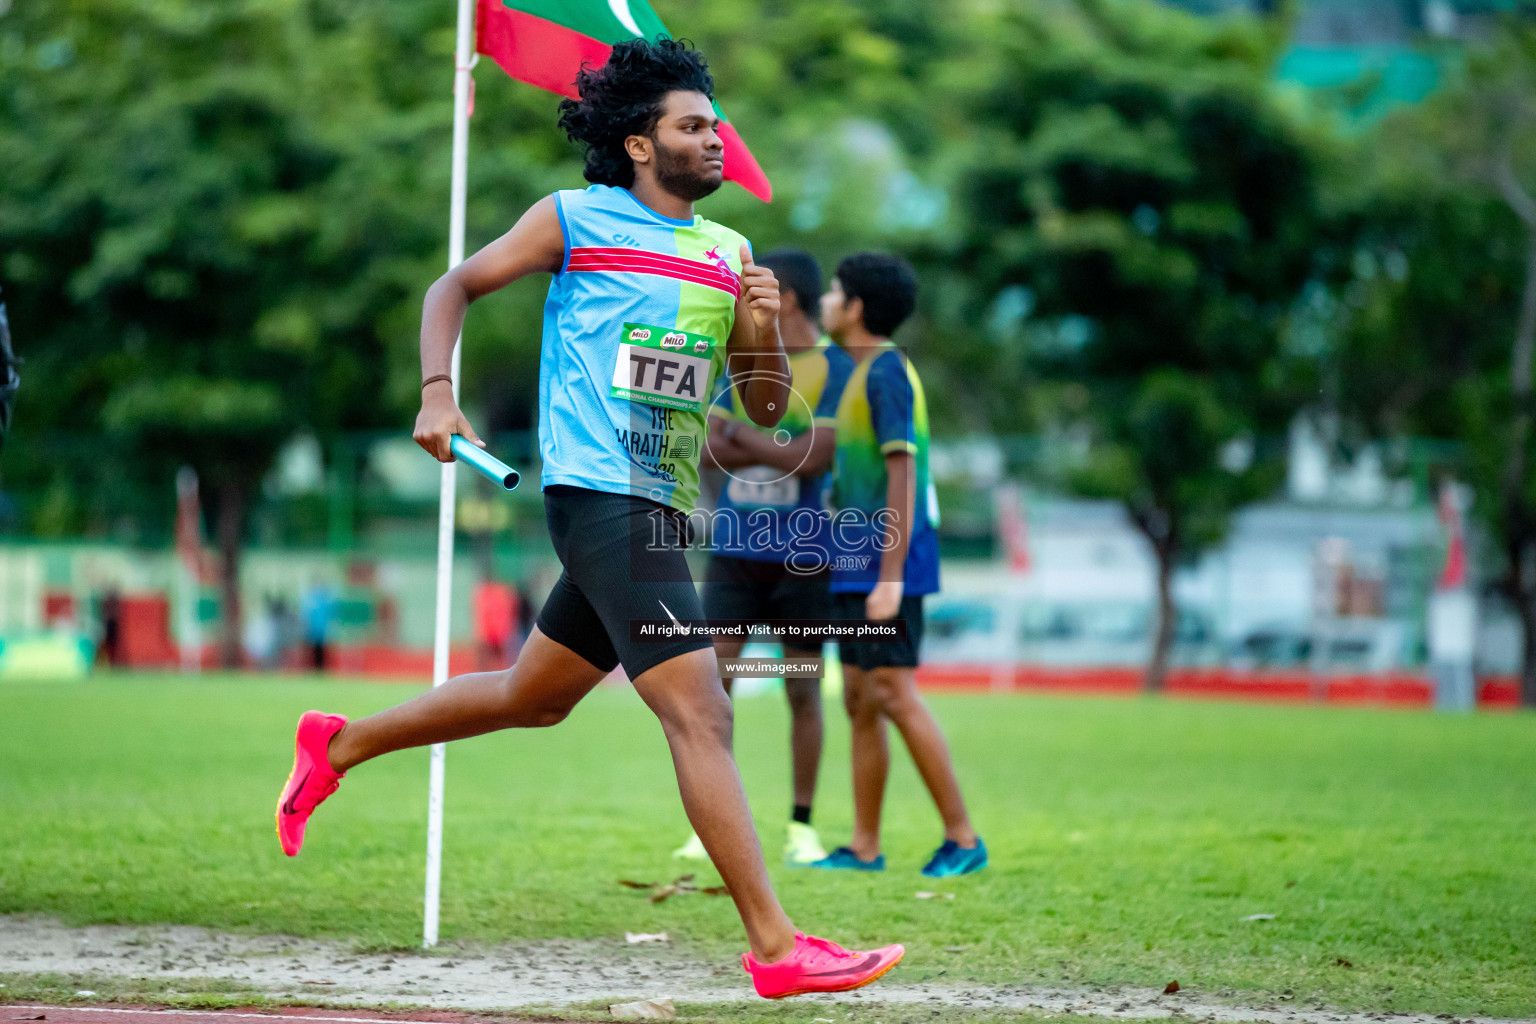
<point x="540" y="690"/>
<point x="895" y="690"/>
<point x="805" y="732"/>
<point x="695" y="713"/>
<point x="871" y="754"/>
<point x="547" y="681"/>
<point x="728" y="649"/>
<point x="805" y="721"/>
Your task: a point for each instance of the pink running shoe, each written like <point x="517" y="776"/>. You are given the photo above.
<point x="817" y="965"/>
<point x="312" y="778"/>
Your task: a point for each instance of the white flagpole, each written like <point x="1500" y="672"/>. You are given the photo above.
<point x="462" y="84"/>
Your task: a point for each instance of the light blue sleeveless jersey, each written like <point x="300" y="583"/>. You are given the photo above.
<point x="635" y="331"/>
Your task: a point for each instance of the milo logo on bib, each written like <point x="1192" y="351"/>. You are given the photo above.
<point x="663" y="366"/>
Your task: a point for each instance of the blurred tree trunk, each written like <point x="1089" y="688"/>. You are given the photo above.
<point x="231" y="519"/>
<point x="1167" y="623"/>
<point x="1162" y="534"/>
<point x="1520" y="528"/>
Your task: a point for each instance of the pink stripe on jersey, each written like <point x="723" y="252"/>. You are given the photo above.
<point x="602" y="259"/>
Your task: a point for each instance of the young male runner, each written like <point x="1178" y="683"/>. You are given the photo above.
<point x="772" y="541"/>
<point x="887" y="559"/>
<point x="646" y="299"/>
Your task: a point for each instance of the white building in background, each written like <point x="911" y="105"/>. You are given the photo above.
<point x="1334" y="576"/>
<point x="1265" y="597"/>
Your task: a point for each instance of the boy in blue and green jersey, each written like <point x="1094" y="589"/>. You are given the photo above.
<point x="770" y="531"/>
<point x="886" y="558"/>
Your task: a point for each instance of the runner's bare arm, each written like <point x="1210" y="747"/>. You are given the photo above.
<point x="534" y="245"/>
<point x="755" y="351"/>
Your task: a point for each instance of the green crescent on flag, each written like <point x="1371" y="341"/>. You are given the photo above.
<point x="545" y="42"/>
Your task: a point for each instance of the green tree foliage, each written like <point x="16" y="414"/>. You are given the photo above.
<point x="216" y="226"/>
<point x="1438" y="333"/>
<point x="205" y="225"/>
<point x="1138" y="219"/>
<point x="216" y="223"/>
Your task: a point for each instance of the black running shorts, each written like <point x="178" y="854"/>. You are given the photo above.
<point x="868" y="654"/>
<point x="747" y="590"/>
<point x="623" y="559"/>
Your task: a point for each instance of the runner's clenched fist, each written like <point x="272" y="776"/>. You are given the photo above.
<point x="439" y="419"/>
<point x="761" y="290"/>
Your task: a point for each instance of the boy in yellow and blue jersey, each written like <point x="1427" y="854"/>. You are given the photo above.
<point x="886" y="559"/>
<point x="771" y="537"/>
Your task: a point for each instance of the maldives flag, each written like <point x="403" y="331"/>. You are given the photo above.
<point x="545" y="42"/>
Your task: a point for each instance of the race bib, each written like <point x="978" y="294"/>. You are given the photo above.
<point x="663" y="366"/>
<point x="763" y="487"/>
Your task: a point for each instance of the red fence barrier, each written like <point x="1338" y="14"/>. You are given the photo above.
<point x="1398" y="689"/>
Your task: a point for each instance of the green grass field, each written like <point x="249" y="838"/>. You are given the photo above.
<point x="1129" y="838"/>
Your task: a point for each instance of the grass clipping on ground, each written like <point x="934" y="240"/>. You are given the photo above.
<point x="1368" y="859"/>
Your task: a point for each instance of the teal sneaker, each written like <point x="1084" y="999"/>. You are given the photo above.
<point x="951" y="859"/>
<point x="844" y="858"/>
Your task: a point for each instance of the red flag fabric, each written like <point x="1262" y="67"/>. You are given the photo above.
<point x="545" y="42"/>
<point x="1454" y="573"/>
<point x="1014" y="527"/>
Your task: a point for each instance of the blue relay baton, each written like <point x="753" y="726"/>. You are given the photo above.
<point x="484" y="463"/>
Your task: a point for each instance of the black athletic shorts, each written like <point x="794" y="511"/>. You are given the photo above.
<point x="867" y="654"/>
<point x="623" y="559"/>
<point x="747" y="590"/>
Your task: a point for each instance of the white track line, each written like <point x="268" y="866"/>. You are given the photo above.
<point x="211" y="1013"/>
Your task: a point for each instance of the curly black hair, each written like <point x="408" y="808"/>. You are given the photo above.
<point x="624" y="98"/>
<point x="886" y="283"/>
